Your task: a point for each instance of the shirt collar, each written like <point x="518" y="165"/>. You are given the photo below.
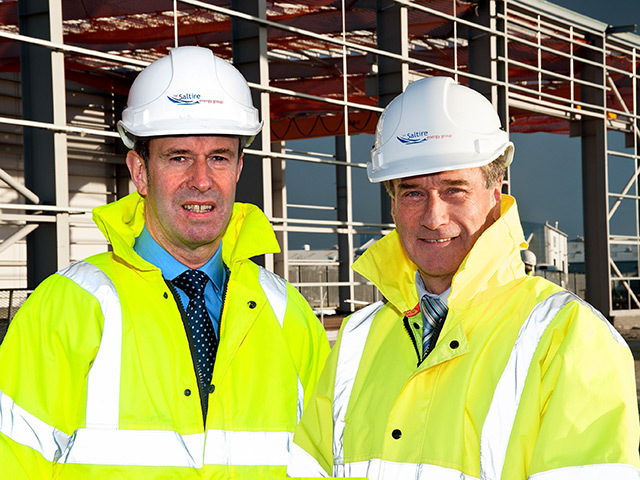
<point x="150" y="250"/>
<point x="422" y="290"/>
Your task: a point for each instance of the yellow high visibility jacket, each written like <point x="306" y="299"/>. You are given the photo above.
<point x="525" y="380"/>
<point x="98" y="380"/>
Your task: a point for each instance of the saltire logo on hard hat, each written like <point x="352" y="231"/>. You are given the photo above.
<point x="185" y="98"/>
<point x="413" y="138"/>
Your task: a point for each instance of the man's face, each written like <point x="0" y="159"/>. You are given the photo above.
<point x="439" y="218"/>
<point x="189" y="185"/>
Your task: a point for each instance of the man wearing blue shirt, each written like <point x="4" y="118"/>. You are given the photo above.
<point x="173" y="355"/>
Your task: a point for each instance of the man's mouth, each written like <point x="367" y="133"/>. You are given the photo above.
<point x="438" y="240"/>
<point x="198" y="208"/>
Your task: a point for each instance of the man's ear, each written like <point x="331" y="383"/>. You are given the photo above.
<point x="497" y="196"/>
<point x="240" y="164"/>
<point x="498" y="188"/>
<point x="393" y="209"/>
<point x="138" y="172"/>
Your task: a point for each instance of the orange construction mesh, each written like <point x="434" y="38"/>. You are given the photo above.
<point x="144" y="29"/>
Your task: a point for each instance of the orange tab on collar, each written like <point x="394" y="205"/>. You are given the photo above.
<point x="413" y="312"/>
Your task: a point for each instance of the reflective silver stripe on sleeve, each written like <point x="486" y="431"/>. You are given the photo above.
<point x="377" y="468"/>
<point x="615" y="471"/>
<point x="354" y="336"/>
<point x="498" y="424"/>
<point x="25" y="429"/>
<point x="224" y="447"/>
<point x="300" y="405"/>
<point x="275" y="289"/>
<point x="301" y="464"/>
<point x="103" y="390"/>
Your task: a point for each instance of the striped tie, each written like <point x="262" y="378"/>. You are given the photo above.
<point x="434" y="313"/>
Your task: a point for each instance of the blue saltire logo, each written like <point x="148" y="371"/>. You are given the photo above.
<point x="413" y="138"/>
<point x="185" y="98"/>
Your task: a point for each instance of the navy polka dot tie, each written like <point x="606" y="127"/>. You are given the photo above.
<point x="192" y="282"/>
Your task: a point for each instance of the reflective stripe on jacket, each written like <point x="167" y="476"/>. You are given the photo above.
<point x="525" y="380"/>
<point x="113" y="389"/>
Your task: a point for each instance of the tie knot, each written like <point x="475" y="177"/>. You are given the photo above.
<point x="191" y="282"/>
<point x="434" y="307"/>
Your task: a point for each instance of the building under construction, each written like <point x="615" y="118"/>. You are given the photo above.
<point x="317" y="68"/>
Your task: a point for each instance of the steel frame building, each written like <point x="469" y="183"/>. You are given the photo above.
<point x="317" y="68"/>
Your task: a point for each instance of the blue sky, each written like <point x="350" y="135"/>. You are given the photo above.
<point x="545" y="176"/>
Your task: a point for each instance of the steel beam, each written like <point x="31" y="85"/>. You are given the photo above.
<point x="17" y="236"/>
<point x="45" y="151"/>
<point x="594" y="184"/>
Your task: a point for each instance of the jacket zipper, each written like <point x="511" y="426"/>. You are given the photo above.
<point x="194" y="357"/>
<point x="224" y="299"/>
<point x="407" y="328"/>
<point x="219" y="339"/>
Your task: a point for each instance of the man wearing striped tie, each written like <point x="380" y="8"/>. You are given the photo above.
<point x="470" y="369"/>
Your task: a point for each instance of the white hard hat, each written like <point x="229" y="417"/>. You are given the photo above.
<point x="528" y="257"/>
<point x="189" y="92"/>
<point x="436" y="125"/>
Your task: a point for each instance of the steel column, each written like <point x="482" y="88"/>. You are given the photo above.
<point x="345" y="240"/>
<point x="123" y="184"/>
<point x="279" y="193"/>
<point x="393" y="75"/>
<point x="250" y="58"/>
<point x="45" y="151"/>
<point x="484" y="50"/>
<point x="595" y="184"/>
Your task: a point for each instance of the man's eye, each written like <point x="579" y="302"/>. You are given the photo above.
<point x="178" y="159"/>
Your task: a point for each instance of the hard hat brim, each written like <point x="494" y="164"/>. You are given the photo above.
<point x="170" y="130"/>
<point x="418" y="165"/>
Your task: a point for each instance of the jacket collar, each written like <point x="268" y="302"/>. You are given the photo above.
<point x="248" y="234"/>
<point x="493" y="261"/>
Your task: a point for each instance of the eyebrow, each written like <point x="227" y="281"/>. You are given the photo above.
<point x="185" y="151"/>
<point x="450" y="183"/>
<point x="455" y="182"/>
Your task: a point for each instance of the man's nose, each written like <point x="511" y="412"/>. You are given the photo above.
<point x="200" y="175"/>
<point x="435" y="213"/>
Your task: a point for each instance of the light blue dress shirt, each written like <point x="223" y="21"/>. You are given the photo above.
<point x="152" y="252"/>
<point x="422" y="290"/>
